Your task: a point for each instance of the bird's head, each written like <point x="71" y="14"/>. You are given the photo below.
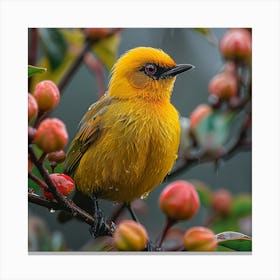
<point x="145" y="72"/>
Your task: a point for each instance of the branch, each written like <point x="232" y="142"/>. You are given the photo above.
<point x="62" y="202"/>
<point x="36" y="199"/>
<point x="79" y="59"/>
<point x="238" y="143"/>
<point x="74" y="67"/>
<point x="33" y="49"/>
<point x="75" y="210"/>
<point x="44" y="173"/>
<point x="33" y="43"/>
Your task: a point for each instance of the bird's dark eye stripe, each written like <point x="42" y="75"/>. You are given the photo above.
<point x="159" y="71"/>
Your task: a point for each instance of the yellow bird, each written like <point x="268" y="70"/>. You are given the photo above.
<point x="128" y="140"/>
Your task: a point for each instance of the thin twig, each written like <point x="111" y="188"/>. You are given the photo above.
<point x="78" y="212"/>
<point x="96" y="67"/>
<point x="168" y="224"/>
<point x="74" y="67"/>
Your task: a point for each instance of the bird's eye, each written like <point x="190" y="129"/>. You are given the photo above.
<point x="150" y="69"/>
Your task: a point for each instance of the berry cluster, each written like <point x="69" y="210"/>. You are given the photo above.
<point x="229" y="94"/>
<point x="49" y="135"/>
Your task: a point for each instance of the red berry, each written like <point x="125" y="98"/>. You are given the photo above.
<point x="130" y="236"/>
<point x="237" y="45"/>
<point x="51" y="135"/>
<point x="224" y="85"/>
<point x="199" y="113"/>
<point x="200" y="239"/>
<point x="32" y="107"/>
<point x="47" y="95"/>
<point x="63" y="183"/>
<point x="97" y="33"/>
<point x="179" y="201"/>
<point x="222" y="201"/>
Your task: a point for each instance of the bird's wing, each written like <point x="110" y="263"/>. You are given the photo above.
<point x="89" y="131"/>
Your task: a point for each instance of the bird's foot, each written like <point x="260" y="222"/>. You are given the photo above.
<point x="100" y="227"/>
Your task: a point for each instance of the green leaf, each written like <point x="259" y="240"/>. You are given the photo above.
<point x="74" y="39"/>
<point x="203" y="31"/>
<point x="242" y="205"/>
<point x="32" y="70"/>
<point x="224" y="249"/>
<point x="106" y="50"/>
<point x="222" y="224"/>
<point x="54" y="46"/>
<point x="213" y="131"/>
<point x="235" y="240"/>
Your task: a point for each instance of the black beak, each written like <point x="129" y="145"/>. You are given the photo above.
<point x="179" y="68"/>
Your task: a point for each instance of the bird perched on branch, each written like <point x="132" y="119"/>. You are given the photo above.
<point x="128" y="140"/>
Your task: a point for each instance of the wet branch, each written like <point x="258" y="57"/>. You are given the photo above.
<point x="237" y="144"/>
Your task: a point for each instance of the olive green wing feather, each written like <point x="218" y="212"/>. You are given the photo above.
<point x="90" y="129"/>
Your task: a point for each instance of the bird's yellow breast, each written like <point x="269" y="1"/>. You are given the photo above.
<point x="136" y="150"/>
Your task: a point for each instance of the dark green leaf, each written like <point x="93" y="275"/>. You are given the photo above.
<point x="54" y="46"/>
<point x="235" y="240"/>
<point x="32" y="70"/>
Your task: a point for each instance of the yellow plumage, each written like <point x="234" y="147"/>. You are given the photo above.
<point x="128" y="140"/>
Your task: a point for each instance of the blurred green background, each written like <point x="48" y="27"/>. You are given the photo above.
<point x="191" y="89"/>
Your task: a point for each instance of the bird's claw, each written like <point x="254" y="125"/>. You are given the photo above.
<point x="99" y="228"/>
